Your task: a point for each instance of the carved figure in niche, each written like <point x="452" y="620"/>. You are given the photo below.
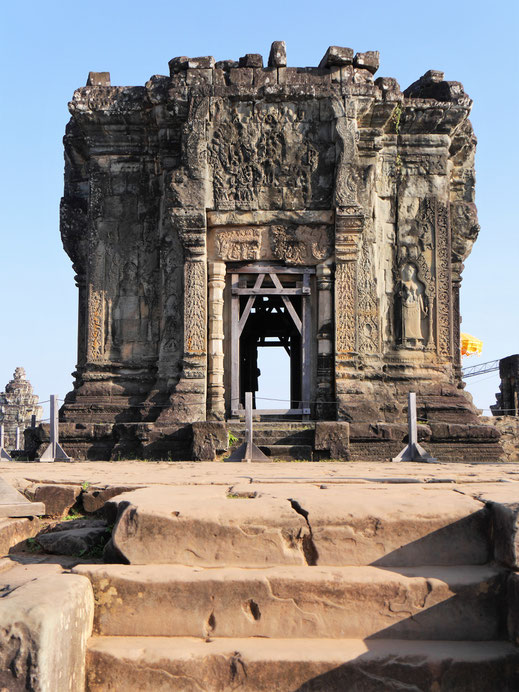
<point x="414" y="310"/>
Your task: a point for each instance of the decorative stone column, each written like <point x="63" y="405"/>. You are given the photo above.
<point x="95" y="320"/>
<point x="95" y="324"/>
<point x="349" y="223"/>
<point x="325" y="407"/>
<point x="348" y="227"/>
<point x="215" y="393"/>
<point x="188" y="401"/>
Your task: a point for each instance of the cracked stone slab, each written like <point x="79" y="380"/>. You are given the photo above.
<point x="294" y="524"/>
<point x="45" y="620"/>
<point x="74" y="541"/>
<point x="457" y="603"/>
<point x="203" y="526"/>
<point x="15" y="530"/>
<point x="393" y="526"/>
<point x="299" y="665"/>
<point x="58" y="498"/>
<point x="503" y="503"/>
<point x="14" y="504"/>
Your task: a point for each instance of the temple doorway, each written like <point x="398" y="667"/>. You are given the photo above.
<point x="270" y="308"/>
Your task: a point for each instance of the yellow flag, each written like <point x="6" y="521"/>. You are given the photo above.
<point x="470" y="345"/>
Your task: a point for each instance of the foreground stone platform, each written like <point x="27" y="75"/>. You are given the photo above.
<point x="258" y="525"/>
<point x="331" y="576"/>
<point x="298" y="602"/>
<point x="139" y="473"/>
<point x="264" y="665"/>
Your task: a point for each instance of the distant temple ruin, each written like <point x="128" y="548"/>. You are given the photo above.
<point x="507" y="399"/>
<point x="228" y="205"/>
<point x="18" y="404"/>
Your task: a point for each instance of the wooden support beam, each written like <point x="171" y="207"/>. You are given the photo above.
<point x="269" y="291"/>
<point x="266" y="268"/>
<point x="306" y="345"/>
<point x="288" y="303"/>
<point x="250" y="302"/>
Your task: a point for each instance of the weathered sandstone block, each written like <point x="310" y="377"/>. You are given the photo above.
<point x="45" y="620"/>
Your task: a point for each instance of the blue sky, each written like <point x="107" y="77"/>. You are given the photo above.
<point x="49" y="47"/>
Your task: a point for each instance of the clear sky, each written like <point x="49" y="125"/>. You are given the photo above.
<point x="48" y="48"/>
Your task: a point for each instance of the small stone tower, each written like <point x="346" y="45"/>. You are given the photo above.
<point x="17" y="404"/>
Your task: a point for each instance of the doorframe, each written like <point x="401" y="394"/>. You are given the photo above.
<point x="303" y="324"/>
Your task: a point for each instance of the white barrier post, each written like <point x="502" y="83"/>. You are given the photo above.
<point x="248" y="426"/>
<point x="4" y="455"/>
<point x="248" y="451"/>
<point x="54" y="451"/>
<point x="413" y="451"/>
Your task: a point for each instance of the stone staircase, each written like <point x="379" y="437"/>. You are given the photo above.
<point x="266" y="588"/>
<point x="290" y="440"/>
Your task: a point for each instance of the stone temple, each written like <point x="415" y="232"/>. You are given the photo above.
<point x="18" y="404"/>
<point x="230" y="205"/>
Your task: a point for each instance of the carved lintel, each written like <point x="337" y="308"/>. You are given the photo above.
<point x="238" y="244"/>
<point x="294" y="244"/>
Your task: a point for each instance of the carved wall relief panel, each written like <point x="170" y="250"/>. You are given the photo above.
<point x="443" y="281"/>
<point x="96" y="318"/>
<point x="349" y="223"/>
<point x="367" y="304"/>
<point x="265" y="157"/>
<point x="293" y="244"/>
<point x="413" y="308"/>
<point x="194" y="310"/>
<point x="300" y="244"/>
<point x="345" y="299"/>
<point x="424" y="244"/>
<point x="236" y="245"/>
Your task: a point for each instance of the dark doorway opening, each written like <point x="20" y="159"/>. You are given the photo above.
<point x="268" y="326"/>
<point x="270" y="309"/>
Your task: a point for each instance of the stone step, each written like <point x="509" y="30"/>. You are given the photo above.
<point x="289" y="426"/>
<point x="278" y="451"/>
<point x="265" y="434"/>
<point x="457" y="603"/>
<point x="264" y="665"/>
<point x="270" y="524"/>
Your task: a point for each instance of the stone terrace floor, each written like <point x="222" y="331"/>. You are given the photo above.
<point x="502" y="477"/>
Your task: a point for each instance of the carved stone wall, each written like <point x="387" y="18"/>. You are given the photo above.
<point x="225" y="163"/>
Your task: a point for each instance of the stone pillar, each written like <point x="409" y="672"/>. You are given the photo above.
<point x="349" y="223"/>
<point x="188" y="401"/>
<point x="325" y="409"/>
<point x="215" y="393"/>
